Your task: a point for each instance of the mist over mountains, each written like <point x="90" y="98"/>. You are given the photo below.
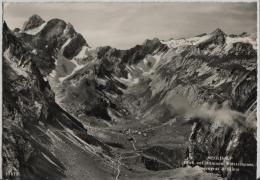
<point x="71" y="111"/>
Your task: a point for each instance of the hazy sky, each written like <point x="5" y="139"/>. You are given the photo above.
<point x="124" y="25"/>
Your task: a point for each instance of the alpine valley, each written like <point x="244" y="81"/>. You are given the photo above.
<point x="162" y="110"/>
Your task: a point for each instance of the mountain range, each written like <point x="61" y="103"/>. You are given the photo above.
<point x="72" y="111"/>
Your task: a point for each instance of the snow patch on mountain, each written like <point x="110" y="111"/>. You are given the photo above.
<point x="157" y="58"/>
<point x="204" y="68"/>
<point x="19" y="70"/>
<point x="65" y="44"/>
<point x="231" y="40"/>
<point x="130" y="80"/>
<point x="78" y="67"/>
<point x="174" y="43"/>
<point x="34" y="31"/>
<point x="155" y="61"/>
<point x="53" y="74"/>
<point x="82" y="54"/>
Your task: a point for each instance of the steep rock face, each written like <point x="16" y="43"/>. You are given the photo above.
<point x="33" y="22"/>
<point x="115" y="60"/>
<point x="57" y="43"/>
<point x="209" y="140"/>
<point x="74" y="46"/>
<point x="225" y="79"/>
<point x="137" y="53"/>
<point x="217" y="37"/>
<point x="24" y="108"/>
<point x="24" y="156"/>
<point x="35" y="128"/>
<point x="86" y="95"/>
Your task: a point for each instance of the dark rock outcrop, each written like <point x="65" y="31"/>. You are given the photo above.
<point x="33" y="22"/>
<point x="242" y="50"/>
<point x="74" y="46"/>
<point x="217" y="38"/>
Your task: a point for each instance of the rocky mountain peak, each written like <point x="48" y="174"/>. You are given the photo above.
<point x="8" y="37"/>
<point x="155" y="42"/>
<point x="33" y="22"/>
<point x="243" y="34"/>
<point x="16" y="29"/>
<point x="70" y="29"/>
<point x="218" y="37"/>
<point x="217" y="31"/>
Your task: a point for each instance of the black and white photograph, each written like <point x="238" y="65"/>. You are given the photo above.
<point x="129" y="90"/>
